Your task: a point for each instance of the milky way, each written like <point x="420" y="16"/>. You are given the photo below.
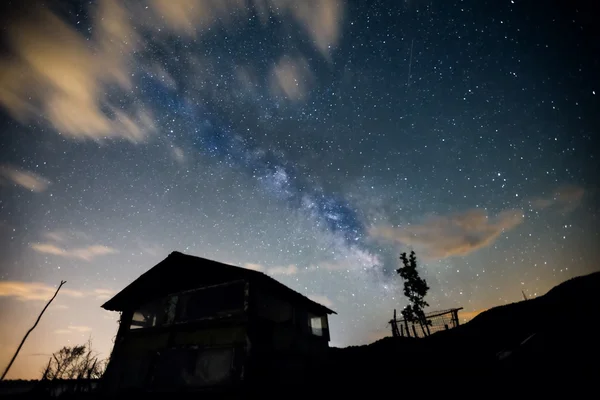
<point x="314" y="141"/>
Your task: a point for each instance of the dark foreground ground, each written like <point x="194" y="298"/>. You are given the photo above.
<point x="546" y="345"/>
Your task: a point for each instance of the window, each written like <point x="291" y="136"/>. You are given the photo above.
<point x="156" y="313"/>
<point x="274" y="309"/>
<point x="318" y="325"/>
<point x="213" y="366"/>
<point x="193" y="367"/>
<point x="211" y="301"/>
<point x="192" y="305"/>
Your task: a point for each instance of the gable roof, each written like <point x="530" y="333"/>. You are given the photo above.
<point x="179" y="272"/>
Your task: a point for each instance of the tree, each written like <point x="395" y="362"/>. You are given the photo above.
<point x="79" y="363"/>
<point x="415" y="289"/>
<point x="12" y="360"/>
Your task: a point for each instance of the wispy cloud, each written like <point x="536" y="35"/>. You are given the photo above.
<point x="56" y="72"/>
<point x="178" y="154"/>
<point x="565" y="198"/>
<point x="453" y="235"/>
<point x="37" y="291"/>
<point x="23" y="178"/>
<point x="56" y="236"/>
<point x="34" y="291"/>
<point x="63" y="236"/>
<point x="71" y="79"/>
<point x="319" y="20"/>
<point x="323" y="300"/>
<point x="290" y="78"/>
<point x="288" y="270"/>
<point x="255" y="267"/>
<point x="103" y="294"/>
<point x="73" y="329"/>
<point x="87" y="253"/>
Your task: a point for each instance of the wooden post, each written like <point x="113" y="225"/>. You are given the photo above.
<point x="455" y="317"/>
<point x="30" y="330"/>
<point x="422" y="328"/>
<point x="402" y="330"/>
<point x="406" y="325"/>
<point x="414" y="330"/>
<point x="395" y="332"/>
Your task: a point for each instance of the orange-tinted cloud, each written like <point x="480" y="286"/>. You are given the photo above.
<point x="32" y="291"/>
<point x="319" y="20"/>
<point x="54" y="72"/>
<point x="26" y="179"/>
<point x="454" y="235"/>
<point x="57" y="73"/>
<point x="87" y="253"/>
<point x="290" y="77"/>
<point x="37" y="291"/>
<point x="255" y="267"/>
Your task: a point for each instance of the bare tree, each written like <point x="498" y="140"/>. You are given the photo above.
<point x="30" y="330"/>
<point x="74" y="368"/>
<point x="76" y="362"/>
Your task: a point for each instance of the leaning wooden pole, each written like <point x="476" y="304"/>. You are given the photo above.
<point x="30" y="330"/>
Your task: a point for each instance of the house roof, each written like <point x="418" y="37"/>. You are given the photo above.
<point x="179" y="272"/>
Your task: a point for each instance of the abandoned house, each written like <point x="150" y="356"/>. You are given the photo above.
<point x="191" y="323"/>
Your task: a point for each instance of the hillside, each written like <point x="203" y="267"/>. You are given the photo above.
<point x="550" y="340"/>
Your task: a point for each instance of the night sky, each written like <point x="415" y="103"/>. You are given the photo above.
<point x="312" y="140"/>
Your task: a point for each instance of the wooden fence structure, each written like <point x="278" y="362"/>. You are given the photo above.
<point x="435" y="321"/>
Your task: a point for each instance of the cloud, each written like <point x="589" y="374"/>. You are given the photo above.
<point x="454" y="235"/>
<point x="290" y="77"/>
<point x="189" y="17"/>
<point x="87" y="253"/>
<point x="36" y="291"/>
<point x="66" y="236"/>
<point x="255" y="267"/>
<point x="320" y="20"/>
<point x="103" y="294"/>
<point x="56" y="236"/>
<point x="153" y="250"/>
<point x="59" y="74"/>
<point x="73" y="329"/>
<point x="323" y="300"/>
<point x="70" y="79"/>
<point x="178" y="154"/>
<point x="289" y="270"/>
<point x="566" y="198"/>
<point x="32" y="291"/>
<point x="26" y="179"/>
